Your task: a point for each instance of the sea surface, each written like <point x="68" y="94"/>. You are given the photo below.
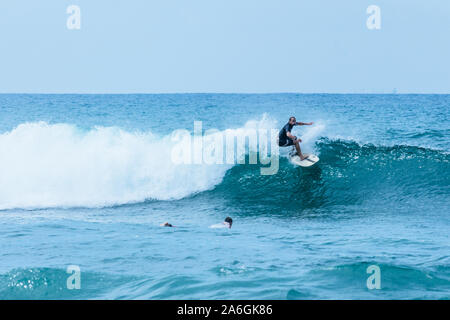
<point x="86" y="181"/>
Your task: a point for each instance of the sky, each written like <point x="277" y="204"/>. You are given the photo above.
<point x="242" y="46"/>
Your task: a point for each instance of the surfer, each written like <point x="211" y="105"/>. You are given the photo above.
<point x="286" y="138"/>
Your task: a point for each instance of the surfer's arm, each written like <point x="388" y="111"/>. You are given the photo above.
<point x="290" y="135"/>
<point x="304" y="123"/>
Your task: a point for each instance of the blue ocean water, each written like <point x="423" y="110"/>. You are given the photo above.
<point x="87" y="180"/>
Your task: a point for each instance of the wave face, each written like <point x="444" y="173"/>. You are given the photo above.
<point x="59" y="165"/>
<point x="348" y="174"/>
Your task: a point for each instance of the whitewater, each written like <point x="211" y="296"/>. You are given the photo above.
<point x="58" y="165"/>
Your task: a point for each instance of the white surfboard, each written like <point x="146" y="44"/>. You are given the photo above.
<point x="308" y="162"/>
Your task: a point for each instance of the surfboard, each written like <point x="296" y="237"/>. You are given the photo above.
<point x="308" y="162"/>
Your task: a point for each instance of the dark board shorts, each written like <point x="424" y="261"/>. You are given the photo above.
<point x="286" y="143"/>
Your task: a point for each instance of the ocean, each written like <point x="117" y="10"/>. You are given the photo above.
<point x="86" y="181"/>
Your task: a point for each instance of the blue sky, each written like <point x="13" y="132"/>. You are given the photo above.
<point x="159" y="46"/>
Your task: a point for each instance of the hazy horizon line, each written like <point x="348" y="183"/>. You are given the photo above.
<point x="224" y="93"/>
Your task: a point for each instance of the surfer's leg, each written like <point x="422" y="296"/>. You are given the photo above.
<point x="299" y="151"/>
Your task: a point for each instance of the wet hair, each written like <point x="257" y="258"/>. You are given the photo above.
<point x="291" y="118"/>
<point x="229" y="220"/>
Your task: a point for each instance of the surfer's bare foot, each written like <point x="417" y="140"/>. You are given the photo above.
<point x="302" y="157"/>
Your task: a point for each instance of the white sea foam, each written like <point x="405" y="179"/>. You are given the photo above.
<point x="59" y="165"/>
<point x="311" y="134"/>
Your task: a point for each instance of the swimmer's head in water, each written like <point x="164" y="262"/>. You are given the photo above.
<point x="166" y="224"/>
<point x="229" y="221"/>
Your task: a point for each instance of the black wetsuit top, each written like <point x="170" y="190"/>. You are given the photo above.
<point x="282" y="136"/>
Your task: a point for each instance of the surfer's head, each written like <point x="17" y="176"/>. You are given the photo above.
<point x="228" y="221"/>
<point x="292" y="120"/>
